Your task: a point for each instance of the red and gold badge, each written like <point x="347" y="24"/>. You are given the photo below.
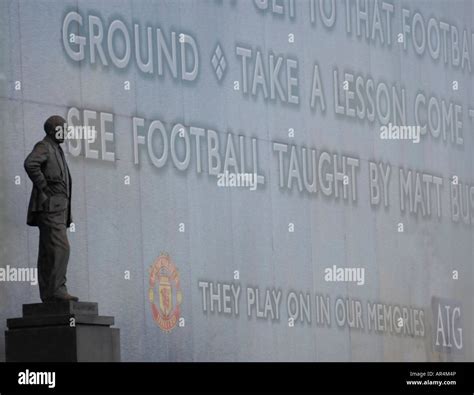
<point x="165" y="292"/>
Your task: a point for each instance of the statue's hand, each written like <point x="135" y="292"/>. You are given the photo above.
<point x="48" y="192"/>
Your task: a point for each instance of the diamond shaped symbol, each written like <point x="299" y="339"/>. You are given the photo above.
<point x="219" y="64"/>
<point x="215" y="62"/>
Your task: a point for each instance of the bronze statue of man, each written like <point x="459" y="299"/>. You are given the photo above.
<point x="50" y="209"/>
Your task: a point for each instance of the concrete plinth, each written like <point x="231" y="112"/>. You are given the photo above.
<point x="62" y="332"/>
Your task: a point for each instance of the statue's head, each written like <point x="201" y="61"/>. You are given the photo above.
<point x="55" y="127"/>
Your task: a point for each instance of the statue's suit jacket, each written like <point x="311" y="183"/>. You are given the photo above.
<point x="45" y="168"/>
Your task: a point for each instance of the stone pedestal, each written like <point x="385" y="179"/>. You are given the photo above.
<point x="62" y="332"/>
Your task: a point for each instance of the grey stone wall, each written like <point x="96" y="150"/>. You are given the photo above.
<point x="122" y="227"/>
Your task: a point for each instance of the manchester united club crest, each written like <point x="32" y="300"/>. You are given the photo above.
<point x="165" y="292"/>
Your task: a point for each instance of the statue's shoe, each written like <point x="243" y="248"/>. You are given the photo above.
<point x="66" y="297"/>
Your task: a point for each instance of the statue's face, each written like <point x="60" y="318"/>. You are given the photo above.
<point x="55" y="126"/>
<point x="59" y="133"/>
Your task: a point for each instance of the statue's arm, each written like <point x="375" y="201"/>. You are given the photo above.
<point x="33" y="164"/>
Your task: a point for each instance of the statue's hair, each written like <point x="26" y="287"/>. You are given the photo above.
<point x="52" y="122"/>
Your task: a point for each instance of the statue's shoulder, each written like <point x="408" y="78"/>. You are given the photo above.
<point x="42" y="147"/>
<point x="44" y="144"/>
